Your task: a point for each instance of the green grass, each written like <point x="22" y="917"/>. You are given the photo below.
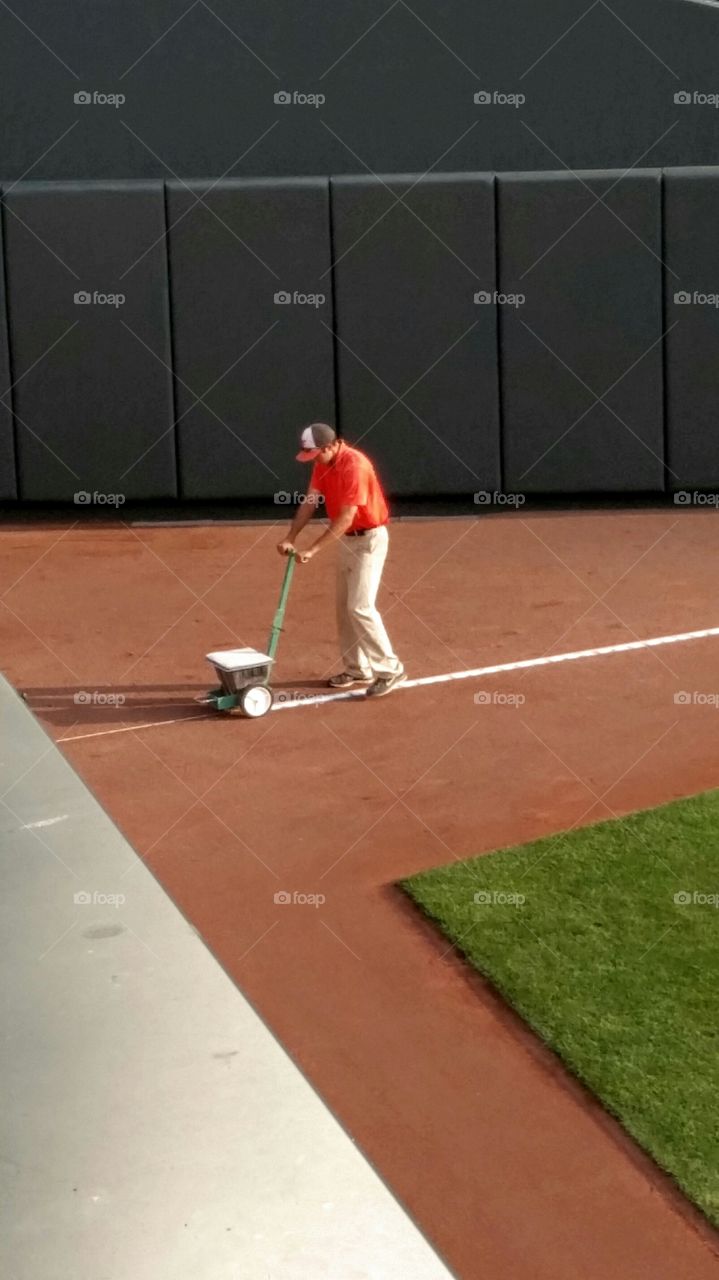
<point x="619" y="979"/>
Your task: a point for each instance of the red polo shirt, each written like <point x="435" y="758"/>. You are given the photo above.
<point x="350" y="480"/>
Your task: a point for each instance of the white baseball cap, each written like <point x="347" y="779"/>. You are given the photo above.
<point x="314" y="438"/>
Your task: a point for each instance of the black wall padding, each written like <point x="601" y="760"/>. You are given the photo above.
<point x="8" y="488"/>
<point x="263" y="367"/>
<point x="406" y="277"/>
<point x="92" y="382"/>
<point x="591" y="325"/>
<point x="691" y="211"/>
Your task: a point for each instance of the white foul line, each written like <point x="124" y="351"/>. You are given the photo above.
<point x="523" y="664"/>
<point x="473" y="672"/>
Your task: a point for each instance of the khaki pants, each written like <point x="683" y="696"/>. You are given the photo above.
<point x="364" y="643"/>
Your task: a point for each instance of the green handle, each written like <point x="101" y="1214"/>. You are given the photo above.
<point x="280" y="614"/>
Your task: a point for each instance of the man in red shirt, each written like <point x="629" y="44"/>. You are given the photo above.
<point x="358" y="516"/>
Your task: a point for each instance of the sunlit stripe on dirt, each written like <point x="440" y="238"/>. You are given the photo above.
<point x="130" y="728"/>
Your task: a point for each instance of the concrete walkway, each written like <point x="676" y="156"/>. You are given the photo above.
<point x="153" y="1127"/>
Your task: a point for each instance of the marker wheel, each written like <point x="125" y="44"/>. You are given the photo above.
<point x="255" y="701"/>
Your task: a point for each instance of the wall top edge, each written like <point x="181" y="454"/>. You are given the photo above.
<point x="321" y="181"/>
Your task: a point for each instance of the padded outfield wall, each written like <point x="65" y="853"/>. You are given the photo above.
<point x="533" y="333"/>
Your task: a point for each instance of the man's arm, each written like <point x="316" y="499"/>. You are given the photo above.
<point x="302" y="516"/>
<point x="336" y="529"/>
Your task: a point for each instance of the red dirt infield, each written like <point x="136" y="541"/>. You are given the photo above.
<point x="509" y="1167"/>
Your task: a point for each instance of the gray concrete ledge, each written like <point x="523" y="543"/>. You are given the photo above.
<point x="153" y="1127"/>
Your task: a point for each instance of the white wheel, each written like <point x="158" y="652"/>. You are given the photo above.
<point x="256" y="700"/>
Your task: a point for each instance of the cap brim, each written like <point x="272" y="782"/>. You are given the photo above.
<point x="308" y="455"/>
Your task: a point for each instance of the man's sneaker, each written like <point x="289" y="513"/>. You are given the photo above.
<point x="344" y="680"/>
<point x="385" y="684"/>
